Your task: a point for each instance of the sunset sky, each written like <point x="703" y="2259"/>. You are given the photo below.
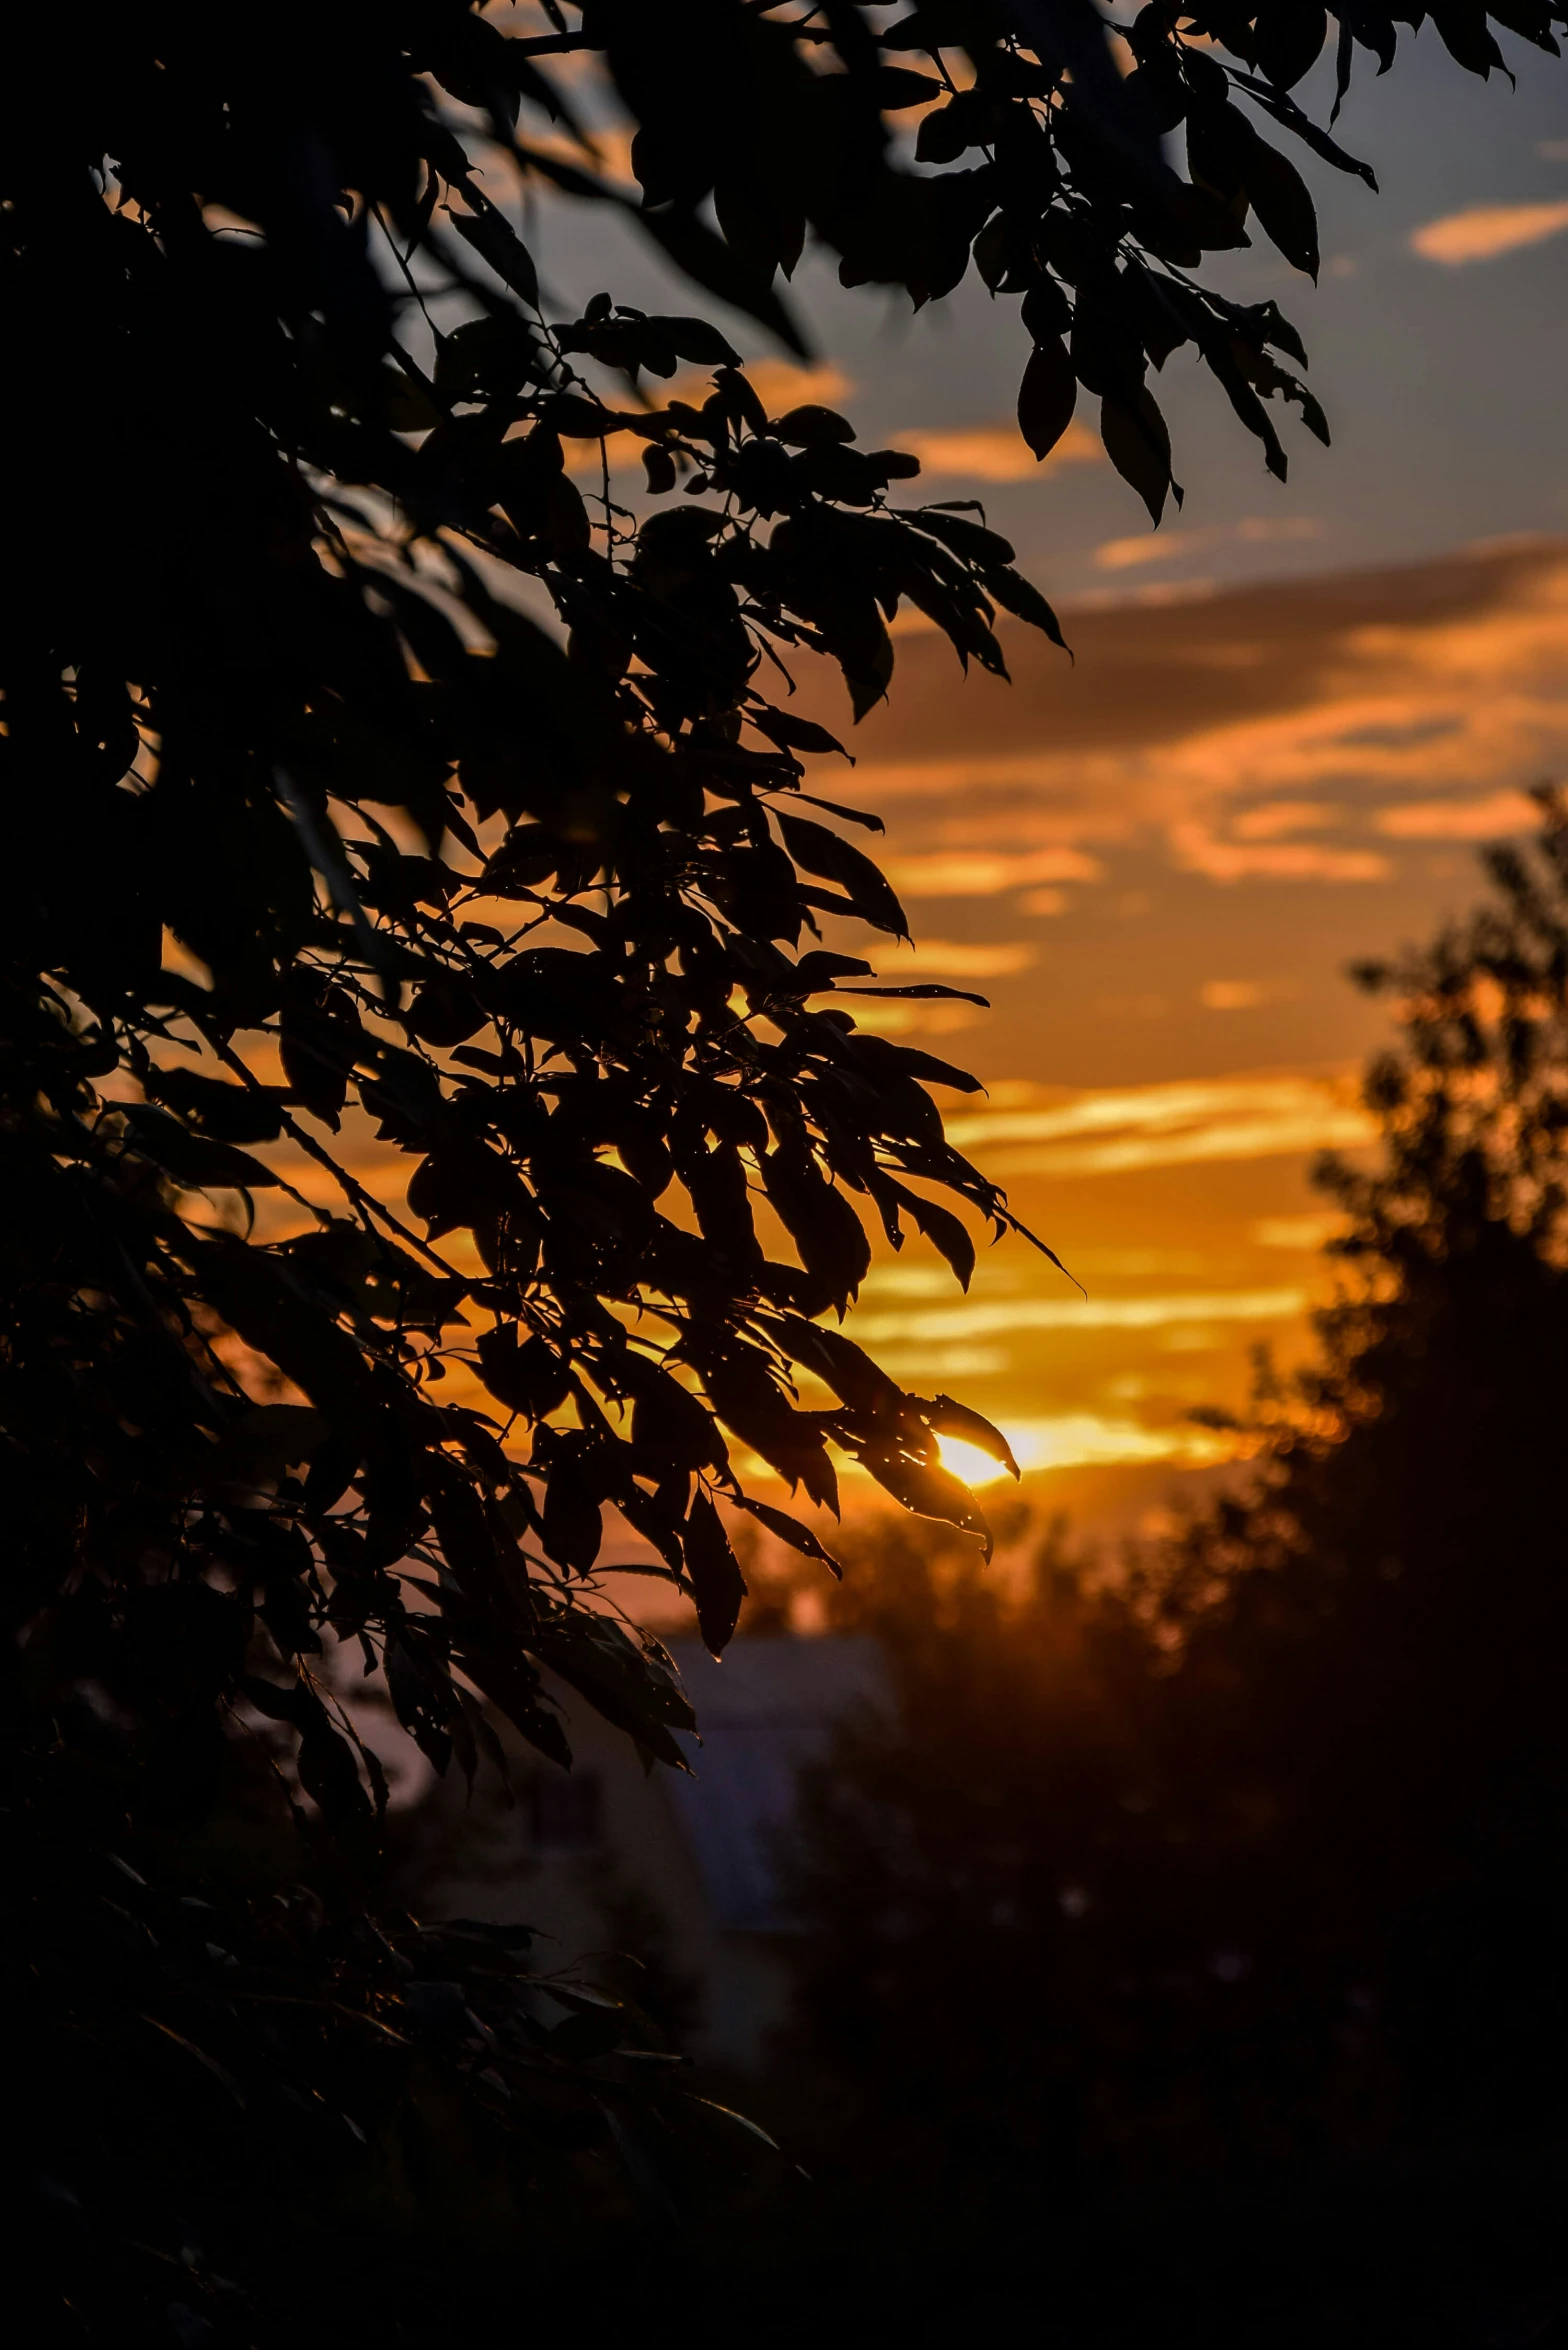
<point x="1292" y="714"/>
<point x="1158" y="863"/>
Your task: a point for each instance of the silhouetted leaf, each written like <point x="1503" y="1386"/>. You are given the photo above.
<point x="714" y="264"/>
<point x="715" y="1574"/>
<point x="928" y="1489"/>
<point x="227" y="1112"/>
<point x="1138" y="445"/>
<point x="530" y="1377"/>
<point x="794" y="734"/>
<point x="836" y="859"/>
<point x="1281" y="202"/>
<point x="956" y="1419"/>
<point x="788" y="1529"/>
<point x="1047" y="396"/>
<point x="946" y="1232"/>
<point x="495" y="240"/>
<point x="1019" y="596"/>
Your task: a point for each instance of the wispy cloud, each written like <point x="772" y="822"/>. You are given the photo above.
<point x="1146" y="547"/>
<point x="1486" y="230"/>
<point x="1160" y="546"/>
<point x="1230" y="732"/>
<point x="1486" y="818"/>
<point x="997" y="452"/>
<point x="1306" y="1233"/>
<point x="920" y="1019"/>
<point x="975" y="1318"/>
<point x="1121" y="1130"/>
<point x="1277" y="817"/>
<point x="939" y="778"/>
<point x="780" y="384"/>
<point x="1244" y="995"/>
<point x="925" y="1366"/>
<point x="1198" y="850"/>
<point x="904" y="1280"/>
<point x="952" y="958"/>
<point x="960" y="873"/>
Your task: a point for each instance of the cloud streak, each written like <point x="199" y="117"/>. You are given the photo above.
<point x="1133" y="553"/>
<point x="997" y="452"/>
<point x="1406" y="707"/>
<point x="952" y="958"/>
<point x="1243" y="995"/>
<point x="974" y="1318"/>
<point x="978" y="874"/>
<point x="1487" y="818"/>
<point x="1486" y="230"/>
<point x="1184" y="1123"/>
<point x="1197" y="850"/>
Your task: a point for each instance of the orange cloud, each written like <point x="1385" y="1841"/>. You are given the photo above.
<point x="959" y="873"/>
<point x="1479" y="819"/>
<point x="1281" y="816"/>
<point x="1198" y="851"/>
<point x="1486" y="230"/>
<point x="1183" y="1122"/>
<point x="976" y="1319"/>
<point x="1128" y="554"/>
<point x="939" y="778"/>
<point x="952" y="958"/>
<point x="1240" y="995"/>
<point x="1146" y="547"/>
<point x="779" y="384"/>
<point x="1303" y="732"/>
<point x="997" y="452"/>
<point x="918" y="1019"/>
<point x="1306" y="1234"/>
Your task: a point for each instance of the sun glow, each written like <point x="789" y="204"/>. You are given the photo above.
<point x="1079" y="1440"/>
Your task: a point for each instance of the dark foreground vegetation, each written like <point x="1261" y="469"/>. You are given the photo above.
<point x="285" y="480"/>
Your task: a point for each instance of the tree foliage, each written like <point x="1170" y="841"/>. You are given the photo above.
<point x="290" y="509"/>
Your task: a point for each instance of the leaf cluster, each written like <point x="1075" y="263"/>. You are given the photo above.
<point x="568" y="982"/>
<point x="1007" y="136"/>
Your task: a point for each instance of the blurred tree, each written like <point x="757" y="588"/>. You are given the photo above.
<point x="1386" y="1670"/>
<point x="1247" y="1860"/>
<point x="285" y="477"/>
